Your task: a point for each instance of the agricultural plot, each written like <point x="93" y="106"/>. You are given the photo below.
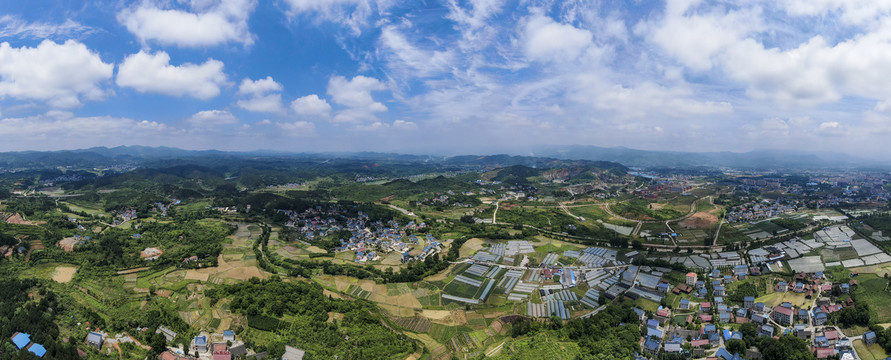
<point x="539" y="347"/>
<point x="477" y="269"/>
<point x="358" y="292"/>
<point x="874" y="291"/>
<point x="871" y="352"/>
<point x="550" y="259"/>
<point x="416" y="324"/>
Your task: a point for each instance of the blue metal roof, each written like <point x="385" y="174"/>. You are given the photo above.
<point x="38" y="350"/>
<point x="21" y="340"/>
<point x="201" y="340"/>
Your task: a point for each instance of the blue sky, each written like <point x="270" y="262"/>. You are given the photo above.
<point x="446" y="76"/>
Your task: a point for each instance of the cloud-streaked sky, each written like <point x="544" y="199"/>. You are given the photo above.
<point x="446" y="76"/>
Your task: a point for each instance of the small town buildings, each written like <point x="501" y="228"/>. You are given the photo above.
<point x="200" y="343"/>
<point x="220" y="352"/>
<point x="94" y="339"/>
<point x="691" y="279"/>
<point x="228" y="335"/>
<point x="21" y="340"/>
<point x="749" y="302"/>
<point x="783" y="315"/>
<point x="767" y="330"/>
<point x="684" y="304"/>
<point x="292" y="353"/>
<point x="168" y="334"/>
<point x="869" y="338"/>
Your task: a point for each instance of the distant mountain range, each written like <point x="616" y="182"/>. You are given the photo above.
<point x="541" y="157"/>
<point x="676" y="159"/>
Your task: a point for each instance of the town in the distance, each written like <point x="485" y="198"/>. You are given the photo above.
<point x="383" y="256"/>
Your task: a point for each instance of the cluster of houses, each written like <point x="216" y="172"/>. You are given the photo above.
<point x="369" y="239"/>
<point x="163" y="208"/>
<point x="806" y="323"/>
<point x="23" y="341"/>
<point x="222" y="346"/>
<point x="125" y="215"/>
<point x="763" y="209"/>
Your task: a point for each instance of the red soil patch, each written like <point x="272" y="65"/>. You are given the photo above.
<point x="700" y="220"/>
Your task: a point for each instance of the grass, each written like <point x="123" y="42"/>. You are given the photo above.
<point x="871" y="352"/>
<point x="646" y="305"/>
<point x="873" y="290"/>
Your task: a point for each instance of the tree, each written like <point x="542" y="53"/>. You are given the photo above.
<point x="735" y="346"/>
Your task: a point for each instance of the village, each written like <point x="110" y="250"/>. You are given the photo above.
<point x="369" y="240"/>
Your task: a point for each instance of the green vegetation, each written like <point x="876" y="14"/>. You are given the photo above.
<point x="306" y="310"/>
<point x="643" y="210"/>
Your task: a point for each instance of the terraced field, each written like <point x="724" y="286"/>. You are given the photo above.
<point x="417" y="324"/>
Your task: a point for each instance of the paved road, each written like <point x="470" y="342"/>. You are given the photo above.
<point x="406" y="212"/>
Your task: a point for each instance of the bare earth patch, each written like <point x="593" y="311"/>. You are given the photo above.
<point x="471" y="246"/>
<point x="436" y="314"/>
<point x="64" y="274"/>
<point x="700" y="220"/>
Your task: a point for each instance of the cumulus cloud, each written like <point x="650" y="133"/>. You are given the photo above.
<point x="545" y="39"/>
<point x="259" y="87"/>
<point x="380" y="125"/>
<point x="153" y="73"/>
<point x="355" y="94"/>
<point x="44" y="131"/>
<point x="311" y="105"/>
<point x="206" y="23"/>
<point x="297" y="128"/>
<point x="261" y="95"/>
<point x="212" y="118"/>
<point x="804" y="74"/>
<point x="60" y="74"/>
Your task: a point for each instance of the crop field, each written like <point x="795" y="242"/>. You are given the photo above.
<point x="871" y="352"/>
<point x="417" y="324"/>
<point x="874" y="291"/>
<point x="64" y="274"/>
<point x="539" y="347"/>
<point x="357" y="291"/>
<point x="398" y="289"/>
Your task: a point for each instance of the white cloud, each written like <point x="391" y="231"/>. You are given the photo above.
<point x="379" y="125"/>
<point x="153" y="73"/>
<point x="477" y="31"/>
<point x="60" y="74"/>
<point x="356" y="95"/>
<point x="209" y="23"/>
<point x="831" y="128"/>
<point x="13" y="26"/>
<point x="311" y="105"/>
<point x="402" y="124"/>
<point x="409" y="58"/>
<point x="545" y="39"/>
<point x="853" y="12"/>
<point x="258" y="95"/>
<point x="695" y="39"/>
<point x="258" y="87"/>
<point x="297" y="128"/>
<point x="810" y="73"/>
<point x="271" y="103"/>
<point x="353" y="14"/>
<point x="212" y="118"/>
<point x="63" y="130"/>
